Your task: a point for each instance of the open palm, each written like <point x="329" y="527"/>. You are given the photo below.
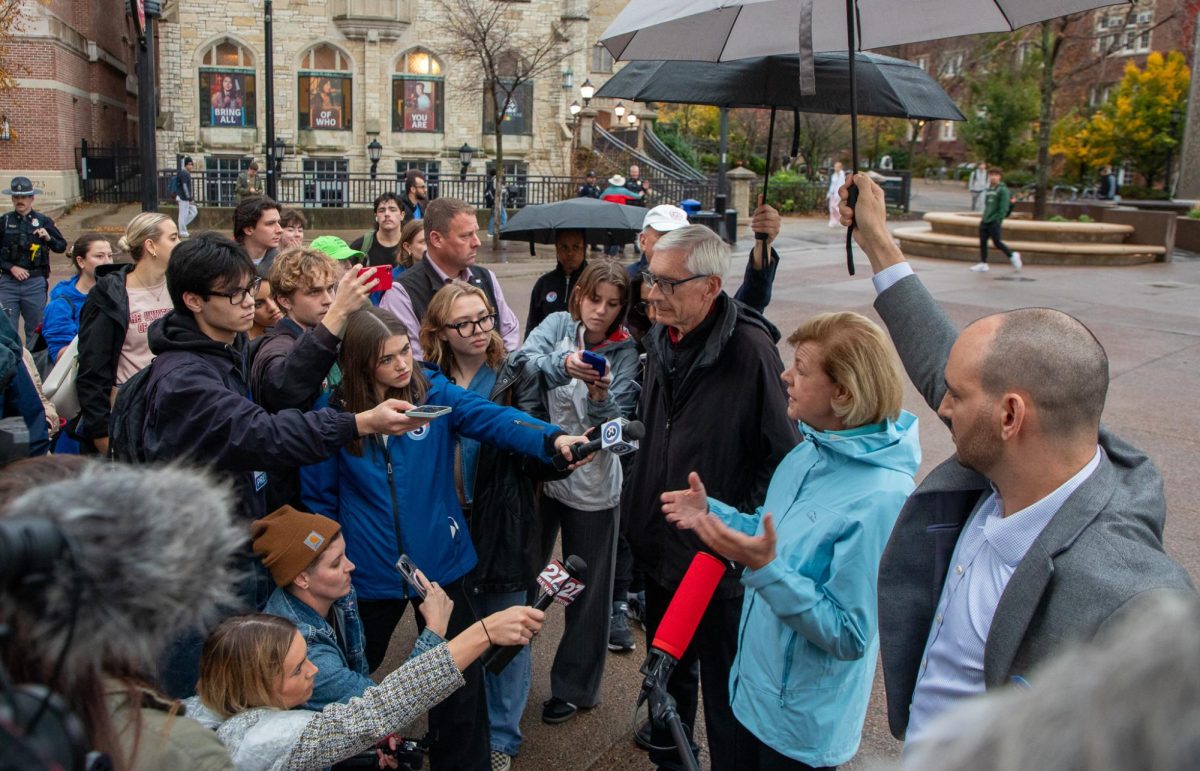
<point x="685" y="508"/>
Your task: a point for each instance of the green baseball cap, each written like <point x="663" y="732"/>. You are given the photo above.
<point x="336" y="248"/>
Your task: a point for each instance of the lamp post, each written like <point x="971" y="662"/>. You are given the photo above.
<point x="465" y="155"/>
<point x="374" y="152"/>
<point x="269" y="92"/>
<point x="586" y="92"/>
<point x="144" y="13"/>
<point x="619" y="111"/>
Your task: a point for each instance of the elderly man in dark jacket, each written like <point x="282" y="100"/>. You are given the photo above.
<point x="1044" y="527"/>
<point x="713" y="403"/>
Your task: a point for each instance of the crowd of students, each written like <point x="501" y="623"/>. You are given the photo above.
<point x="289" y="376"/>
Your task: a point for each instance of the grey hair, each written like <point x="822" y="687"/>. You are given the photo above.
<point x="707" y="254"/>
<point x="151" y="556"/>
<point x="1057" y="360"/>
<point x="1127" y="700"/>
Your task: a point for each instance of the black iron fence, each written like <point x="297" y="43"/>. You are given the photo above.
<point x="109" y="173"/>
<point x="319" y="189"/>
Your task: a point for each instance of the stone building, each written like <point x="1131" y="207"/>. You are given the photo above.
<point x="349" y="72"/>
<point x="73" y="63"/>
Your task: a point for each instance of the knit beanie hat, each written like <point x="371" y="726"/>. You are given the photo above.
<point x="289" y="540"/>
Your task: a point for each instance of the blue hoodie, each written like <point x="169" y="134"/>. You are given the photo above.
<point x="808" y="640"/>
<point x="60" y="323"/>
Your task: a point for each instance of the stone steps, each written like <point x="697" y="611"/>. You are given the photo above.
<point x="967" y="224"/>
<point x="920" y="241"/>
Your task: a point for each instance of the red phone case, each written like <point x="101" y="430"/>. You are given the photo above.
<point x="383" y="274"/>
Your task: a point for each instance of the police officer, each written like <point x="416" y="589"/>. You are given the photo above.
<point x="589" y="189"/>
<point x="26" y="239"/>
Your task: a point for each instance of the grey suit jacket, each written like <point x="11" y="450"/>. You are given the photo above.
<point x="1101" y="552"/>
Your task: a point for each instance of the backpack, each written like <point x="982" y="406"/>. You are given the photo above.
<point x="128" y="417"/>
<point x="173" y="185"/>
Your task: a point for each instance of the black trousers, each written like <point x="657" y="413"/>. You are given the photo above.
<point x="753" y="755"/>
<point x="991" y="230"/>
<point x="713" y="647"/>
<point x="458" y="727"/>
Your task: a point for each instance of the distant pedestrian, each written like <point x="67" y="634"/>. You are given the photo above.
<point x="837" y="178"/>
<point x="185" y="197"/>
<point x="248" y="183"/>
<point x="978" y="185"/>
<point x="997" y="205"/>
<point x="26" y="239"/>
<point x="1108" y="185"/>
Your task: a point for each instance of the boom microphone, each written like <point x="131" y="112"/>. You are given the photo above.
<point x="559" y="581"/>
<point x="618" y="436"/>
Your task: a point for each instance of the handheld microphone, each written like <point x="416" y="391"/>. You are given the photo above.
<point x="562" y="582"/>
<point x="618" y="436"/>
<point x="679" y="623"/>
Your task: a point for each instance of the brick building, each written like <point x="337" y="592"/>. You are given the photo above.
<point x="73" y="63"/>
<point x="1098" y="45"/>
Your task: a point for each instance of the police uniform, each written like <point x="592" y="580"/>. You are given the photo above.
<point x="20" y="247"/>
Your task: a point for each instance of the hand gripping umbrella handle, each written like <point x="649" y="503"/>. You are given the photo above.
<point x="851" y="200"/>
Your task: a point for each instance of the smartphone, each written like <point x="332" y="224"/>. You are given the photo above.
<point x="383" y="274"/>
<point x="409" y="571"/>
<point x="595" y="361"/>
<point x="428" y="411"/>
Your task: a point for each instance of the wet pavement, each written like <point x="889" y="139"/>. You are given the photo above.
<point x="1146" y="316"/>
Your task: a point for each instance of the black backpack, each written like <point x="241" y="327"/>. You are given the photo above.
<point x="128" y="417"/>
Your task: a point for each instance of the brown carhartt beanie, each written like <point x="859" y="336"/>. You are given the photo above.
<point x="289" y="540"/>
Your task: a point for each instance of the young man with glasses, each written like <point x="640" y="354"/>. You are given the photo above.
<point x="713" y="376"/>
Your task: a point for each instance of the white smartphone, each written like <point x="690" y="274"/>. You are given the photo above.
<point x="428" y="411"/>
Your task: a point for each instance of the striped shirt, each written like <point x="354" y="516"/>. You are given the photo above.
<point x="985" y="558"/>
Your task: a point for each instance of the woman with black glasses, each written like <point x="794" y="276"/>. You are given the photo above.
<point x="398" y="495"/>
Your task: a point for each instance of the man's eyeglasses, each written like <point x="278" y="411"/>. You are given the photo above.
<point x="469" y="328"/>
<point x="667" y="285"/>
<point x="238" y="296"/>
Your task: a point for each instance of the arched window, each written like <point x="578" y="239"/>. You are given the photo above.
<point x="325" y="89"/>
<point x="418" y="92"/>
<point x="227" y="88"/>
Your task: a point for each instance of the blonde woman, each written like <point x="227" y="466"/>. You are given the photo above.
<point x="113" y="343"/>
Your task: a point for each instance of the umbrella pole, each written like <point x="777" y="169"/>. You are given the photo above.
<point x="852" y="50"/>
<point x="761" y="238"/>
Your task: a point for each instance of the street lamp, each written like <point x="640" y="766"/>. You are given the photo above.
<point x="280" y="151"/>
<point x="619" y="111"/>
<point x="374" y="151"/>
<point x="465" y="155"/>
<point x="568" y="80"/>
<point x="586" y="92"/>
<point x="574" y="108"/>
<point x="631" y="119"/>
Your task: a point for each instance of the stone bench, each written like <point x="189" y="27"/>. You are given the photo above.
<point x="967" y="224"/>
<point x="920" y="241"/>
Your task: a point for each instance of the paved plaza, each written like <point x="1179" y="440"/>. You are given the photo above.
<point x="1147" y="317"/>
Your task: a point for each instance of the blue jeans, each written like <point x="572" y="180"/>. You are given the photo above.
<point x="507" y="692"/>
<point x="23" y="299"/>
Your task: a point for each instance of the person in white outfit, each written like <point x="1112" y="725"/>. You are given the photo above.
<point x="837" y="178"/>
<point x="978" y="185"/>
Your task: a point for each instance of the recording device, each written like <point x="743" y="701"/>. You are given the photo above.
<point x="383" y="275"/>
<point x="595" y="361"/>
<point x="429" y="411"/>
<point x="560" y="582"/>
<point x="674" y="634"/>
<point x="618" y="436"/>
<point x="409" y="571"/>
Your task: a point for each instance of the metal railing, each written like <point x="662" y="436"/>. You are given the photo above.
<point x="659" y="149"/>
<point x="343" y="189"/>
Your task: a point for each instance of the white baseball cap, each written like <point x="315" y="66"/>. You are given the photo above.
<point x="665" y="218"/>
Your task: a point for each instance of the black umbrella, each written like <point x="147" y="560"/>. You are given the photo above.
<point x="602" y="222"/>
<point x="887" y="87"/>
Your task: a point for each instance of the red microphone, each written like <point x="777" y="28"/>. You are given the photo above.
<point x="687" y="607"/>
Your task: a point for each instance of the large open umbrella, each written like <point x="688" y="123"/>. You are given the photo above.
<point x="602" y="222"/>
<point x="722" y="30"/>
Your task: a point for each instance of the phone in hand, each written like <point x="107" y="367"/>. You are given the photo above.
<point x="595" y="361"/>
<point x="409" y="571"/>
<point x="383" y="274"/>
<point x="428" y="411"/>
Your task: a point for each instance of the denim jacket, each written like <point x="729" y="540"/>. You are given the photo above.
<point x="342" y="669"/>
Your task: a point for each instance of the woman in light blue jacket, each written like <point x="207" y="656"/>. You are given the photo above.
<point x="807" y="641"/>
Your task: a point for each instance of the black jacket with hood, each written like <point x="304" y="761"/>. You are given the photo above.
<point x="715" y="404"/>
<point x="199" y="409"/>
<point x="503" y="517"/>
<point x="103" y="323"/>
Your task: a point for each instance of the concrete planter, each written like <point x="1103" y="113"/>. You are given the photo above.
<point x="1187" y="234"/>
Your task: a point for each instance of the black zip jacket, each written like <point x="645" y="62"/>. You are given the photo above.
<point x="550" y="294"/>
<point x="200" y="411"/>
<point x="713" y="404"/>
<point x="103" y="323"/>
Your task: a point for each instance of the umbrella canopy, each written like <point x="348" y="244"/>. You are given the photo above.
<point x="887" y="87"/>
<point x="601" y="221"/>
<point x="721" y="30"/>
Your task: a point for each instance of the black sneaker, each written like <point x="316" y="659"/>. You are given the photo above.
<point x="557" y="710"/>
<point x="619" y="637"/>
<point x="637" y="608"/>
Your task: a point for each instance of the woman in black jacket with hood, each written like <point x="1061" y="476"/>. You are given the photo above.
<point x="495" y="487"/>
<point x="111" y="348"/>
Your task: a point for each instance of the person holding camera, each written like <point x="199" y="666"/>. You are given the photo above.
<point x="27" y="238"/>
<point x="110" y="592"/>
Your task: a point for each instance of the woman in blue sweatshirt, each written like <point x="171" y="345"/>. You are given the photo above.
<point x="807" y="640"/>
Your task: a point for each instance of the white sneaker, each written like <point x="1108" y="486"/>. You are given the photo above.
<point x="1015" y="260"/>
<point x="979" y="267"/>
